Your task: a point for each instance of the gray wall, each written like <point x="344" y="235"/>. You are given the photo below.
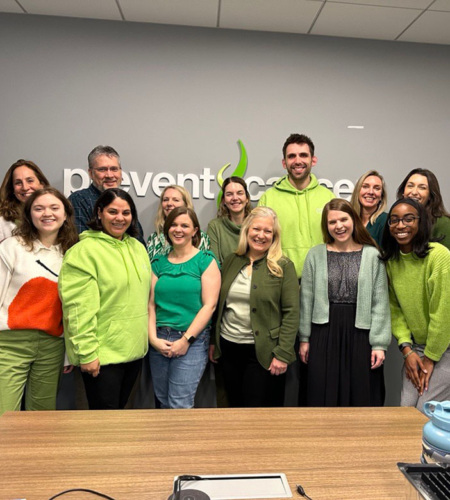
<point x="176" y="99"/>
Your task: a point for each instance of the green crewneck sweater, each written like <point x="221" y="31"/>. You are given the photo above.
<point x="300" y="215"/>
<point x="224" y="237"/>
<point x="419" y="293"/>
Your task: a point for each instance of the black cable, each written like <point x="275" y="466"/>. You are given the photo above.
<point x="81" y="489"/>
<point x="301" y="492"/>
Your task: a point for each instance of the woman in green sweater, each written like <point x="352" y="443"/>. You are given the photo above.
<point x="223" y="231"/>
<point x="419" y="293"/>
<point x="422" y="185"/>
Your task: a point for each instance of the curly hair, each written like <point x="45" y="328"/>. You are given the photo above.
<point x="435" y="204"/>
<point x="67" y="234"/>
<point x="420" y="243"/>
<point x="10" y="206"/>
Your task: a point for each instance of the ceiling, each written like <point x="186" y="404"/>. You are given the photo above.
<point x="424" y="21"/>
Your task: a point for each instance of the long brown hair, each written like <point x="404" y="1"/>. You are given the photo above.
<point x="223" y="209"/>
<point x="360" y="234"/>
<point x="10" y="206"/>
<point x="67" y="234"/>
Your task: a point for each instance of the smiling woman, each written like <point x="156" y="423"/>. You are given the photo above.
<point x="344" y="313"/>
<point x="419" y="292"/>
<point x="104" y="287"/>
<point x="31" y="343"/>
<point x="20" y="181"/>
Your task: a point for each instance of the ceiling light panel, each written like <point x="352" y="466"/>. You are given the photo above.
<point x="93" y="9"/>
<point x="290" y="16"/>
<point x="185" y="12"/>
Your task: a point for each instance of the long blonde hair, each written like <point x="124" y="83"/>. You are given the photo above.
<point x="355" y="196"/>
<point x="160" y="218"/>
<point x="274" y="254"/>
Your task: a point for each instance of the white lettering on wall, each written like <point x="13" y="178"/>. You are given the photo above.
<point x="75" y="179"/>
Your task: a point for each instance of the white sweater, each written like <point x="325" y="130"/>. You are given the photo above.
<point x="29" y="287"/>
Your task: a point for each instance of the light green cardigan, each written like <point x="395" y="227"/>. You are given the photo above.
<point x="372" y="302"/>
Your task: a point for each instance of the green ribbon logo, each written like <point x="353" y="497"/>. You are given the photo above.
<point x="239" y="171"/>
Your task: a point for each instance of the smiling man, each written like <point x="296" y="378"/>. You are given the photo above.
<point x="105" y="172"/>
<point x="298" y="200"/>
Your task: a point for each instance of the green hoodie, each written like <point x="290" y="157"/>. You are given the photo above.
<point x="104" y="285"/>
<point x="299" y="213"/>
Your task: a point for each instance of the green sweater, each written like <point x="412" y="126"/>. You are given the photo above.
<point x="300" y="215"/>
<point x="372" y="302"/>
<point x="419" y="292"/>
<point x="274" y="306"/>
<point x="223" y="236"/>
<point x="104" y="285"/>
<point x="442" y="228"/>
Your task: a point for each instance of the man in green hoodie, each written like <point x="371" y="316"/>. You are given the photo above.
<point x="298" y="200"/>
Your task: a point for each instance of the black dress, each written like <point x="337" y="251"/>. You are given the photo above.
<point x="339" y="369"/>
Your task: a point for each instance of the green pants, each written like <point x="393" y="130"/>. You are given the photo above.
<point x="31" y="359"/>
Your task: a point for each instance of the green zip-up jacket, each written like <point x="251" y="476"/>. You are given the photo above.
<point x="300" y="214"/>
<point x="274" y="306"/>
<point x="104" y="285"/>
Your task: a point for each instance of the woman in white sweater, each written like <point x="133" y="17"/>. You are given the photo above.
<point x="31" y="343"/>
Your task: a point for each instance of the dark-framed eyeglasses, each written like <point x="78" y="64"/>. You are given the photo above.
<point x="407" y="220"/>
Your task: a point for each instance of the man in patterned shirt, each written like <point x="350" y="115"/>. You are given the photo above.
<point x="105" y="172"/>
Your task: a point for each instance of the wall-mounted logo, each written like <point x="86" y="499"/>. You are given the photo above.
<point x="200" y="183"/>
<point x="239" y="171"/>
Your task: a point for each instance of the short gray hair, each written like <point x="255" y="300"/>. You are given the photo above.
<point x="102" y="150"/>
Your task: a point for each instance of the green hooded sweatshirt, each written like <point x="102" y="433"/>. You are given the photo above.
<point x="104" y="285"/>
<point x="300" y="214"/>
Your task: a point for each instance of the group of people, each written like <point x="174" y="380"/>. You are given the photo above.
<point x="303" y="275"/>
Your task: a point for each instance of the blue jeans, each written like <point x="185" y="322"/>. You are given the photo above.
<point x="175" y="380"/>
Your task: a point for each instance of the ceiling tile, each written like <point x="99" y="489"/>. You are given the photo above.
<point x="92" y="9"/>
<point x="431" y="27"/>
<point x="441" y="5"/>
<point x="405" y="4"/>
<point x="185" y="12"/>
<point x="361" y="21"/>
<point x="10" y="6"/>
<point x="292" y="16"/>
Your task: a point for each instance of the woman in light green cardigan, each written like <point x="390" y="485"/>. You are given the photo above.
<point x="344" y="313"/>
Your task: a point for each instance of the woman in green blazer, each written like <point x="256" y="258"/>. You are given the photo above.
<point x="257" y="315"/>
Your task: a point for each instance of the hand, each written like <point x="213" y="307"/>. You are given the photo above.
<point x="179" y="348"/>
<point x="413" y="367"/>
<point x="212" y="349"/>
<point x="377" y="359"/>
<point x="277" y="367"/>
<point x="92" y="368"/>
<point x="162" y="346"/>
<point x="425" y="376"/>
<point x="304" y="352"/>
<point x="67" y="369"/>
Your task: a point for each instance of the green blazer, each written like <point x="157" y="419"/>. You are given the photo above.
<point x="274" y="306"/>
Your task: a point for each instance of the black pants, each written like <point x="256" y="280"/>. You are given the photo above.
<point x="247" y="383"/>
<point x="111" y="389"/>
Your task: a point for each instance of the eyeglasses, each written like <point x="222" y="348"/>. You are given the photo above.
<point x="177" y="485"/>
<point x="407" y="221"/>
<point x="103" y="170"/>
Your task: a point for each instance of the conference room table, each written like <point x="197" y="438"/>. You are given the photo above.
<point x="334" y="453"/>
